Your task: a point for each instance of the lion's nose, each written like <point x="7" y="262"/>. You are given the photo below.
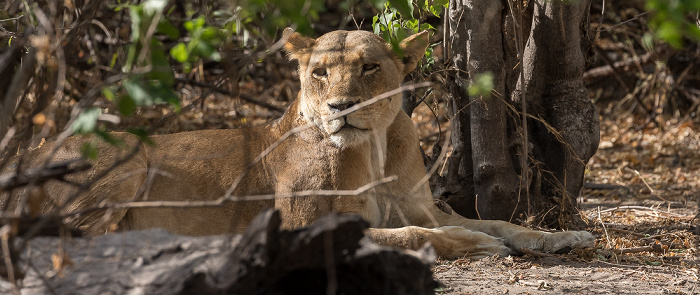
<point x="339" y="107"/>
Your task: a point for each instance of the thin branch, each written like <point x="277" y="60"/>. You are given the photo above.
<point x="8" y="255"/>
<point x="607" y="70"/>
<point x="624" y="231"/>
<point x="18" y="84"/>
<point x="535" y="253"/>
<point x="42" y="277"/>
<point x="605" y="230"/>
<point x="40" y="175"/>
<point x="229" y="93"/>
<point x="432" y="170"/>
<point x="222" y="200"/>
<point x="641" y="208"/>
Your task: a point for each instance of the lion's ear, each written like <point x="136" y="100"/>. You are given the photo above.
<point x="413" y="49"/>
<point x="297" y="45"/>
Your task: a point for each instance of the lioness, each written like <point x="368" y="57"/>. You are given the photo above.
<point x="341" y="150"/>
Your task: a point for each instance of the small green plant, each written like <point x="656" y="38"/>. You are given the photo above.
<point x="398" y="20"/>
<point x="203" y="43"/>
<point x="670" y="20"/>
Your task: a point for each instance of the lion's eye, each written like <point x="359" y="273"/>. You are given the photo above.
<point x="369" y="68"/>
<point x="319" y="72"/>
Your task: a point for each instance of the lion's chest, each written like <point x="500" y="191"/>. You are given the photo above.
<point x="325" y="179"/>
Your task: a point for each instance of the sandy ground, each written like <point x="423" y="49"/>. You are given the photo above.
<point x="561" y="275"/>
<point x="646" y="186"/>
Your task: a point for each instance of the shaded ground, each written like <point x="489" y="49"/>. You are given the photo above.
<point x="640" y="201"/>
<point x="557" y="275"/>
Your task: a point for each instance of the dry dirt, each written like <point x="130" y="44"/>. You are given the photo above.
<point x="641" y="198"/>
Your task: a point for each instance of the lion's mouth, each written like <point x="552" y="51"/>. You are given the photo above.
<point x="347" y="126"/>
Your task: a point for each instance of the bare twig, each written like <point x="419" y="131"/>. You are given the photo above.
<point x="229" y="93"/>
<point x="220" y="201"/>
<point x="535" y="253"/>
<point x="435" y="166"/>
<point x="607" y="70"/>
<point x="624" y="231"/>
<point x="42" y="277"/>
<point x="641" y="208"/>
<point x="605" y="230"/>
<point x="7" y="254"/>
<point x="651" y="248"/>
<point x="603" y="186"/>
<point x="40" y="175"/>
<point x="17" y="85"/>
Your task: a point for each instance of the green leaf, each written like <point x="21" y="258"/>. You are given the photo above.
<point x="426" y="26"/>
<point x="412" y="25"/>
<point x="89" y="150"/>
<point x="142" y="134"/>
<point x="135" y="12"/>
<point x="108" y="138"/>
<point x="137" y="92"/>
<point x="160" y="66"/>
<point x="199" y="22"/>
<point x="149" y="92"/>
<point x="126" y="105"/>
<point x="376" y="25"/>
<point x="405" y="7"/>
<point x="165" y="27"/>
<point x="179" y="52"/>
<point x="648" y="41"/>
<point x="108" y="94"/>
<point x="208" y="51"/>
<point x="482" y="84"/>
<point x="86" y="122"/>
<point x="211" y="35"/>
<point x="189" y="25"/>
<point x="114" y="60"/>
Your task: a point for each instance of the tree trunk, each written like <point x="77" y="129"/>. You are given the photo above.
<point x="484" y="175"/>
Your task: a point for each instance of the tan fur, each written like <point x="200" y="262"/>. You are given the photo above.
<point x="202" y="165"/>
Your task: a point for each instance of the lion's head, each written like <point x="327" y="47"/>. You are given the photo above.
<point x="343" y="68"/>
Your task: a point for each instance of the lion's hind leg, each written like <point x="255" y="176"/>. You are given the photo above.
<point x="449" y="241"/>
<point x="93" y="211"/>
<point x="517" y="237"/>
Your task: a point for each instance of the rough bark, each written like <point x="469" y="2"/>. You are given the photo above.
<point x="457" y="188"/>
<point x="562" y="132"/>
<point x="488" y="183"/>
<point x="331" y="256"/>
<point x="495" y="179"/>
<point x="568" y="135"/>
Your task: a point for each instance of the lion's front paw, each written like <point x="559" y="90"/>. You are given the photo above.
<point x="562" y="242"/>
<point x="458" y="242"/>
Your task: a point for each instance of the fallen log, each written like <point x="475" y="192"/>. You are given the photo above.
<point x="330" y="256"/>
